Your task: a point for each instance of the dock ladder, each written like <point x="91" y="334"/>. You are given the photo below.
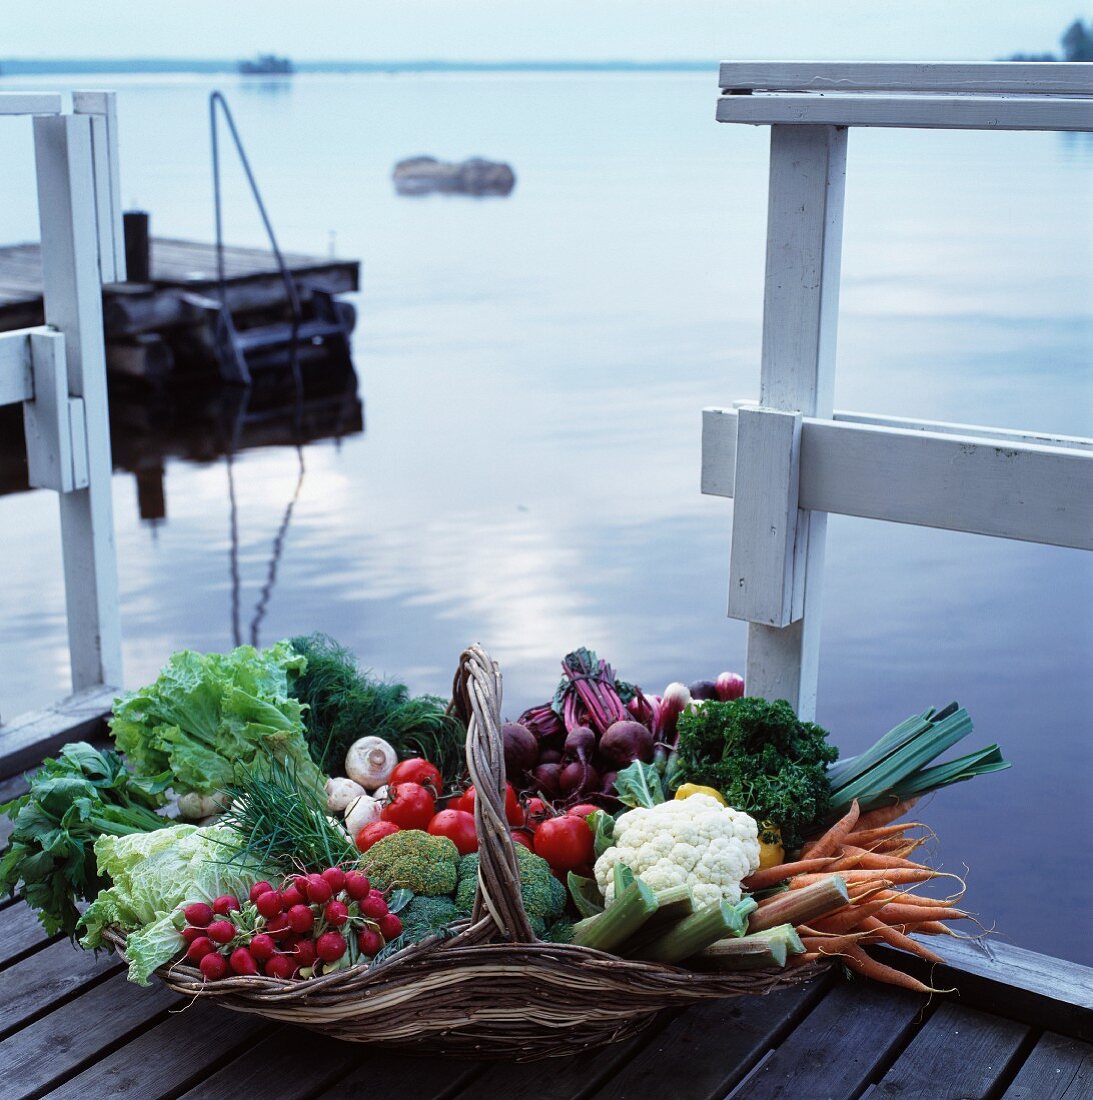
<point x="791" y="459"/>
<point x="57" y="371"/>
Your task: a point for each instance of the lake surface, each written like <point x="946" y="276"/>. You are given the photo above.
<point x="533" y="371"/>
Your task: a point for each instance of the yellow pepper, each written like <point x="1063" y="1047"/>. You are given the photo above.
<point x="689" y="789"/>
<point x="771" y="851"/>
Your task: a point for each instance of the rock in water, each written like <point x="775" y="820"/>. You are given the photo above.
<point x="423" y="175"/>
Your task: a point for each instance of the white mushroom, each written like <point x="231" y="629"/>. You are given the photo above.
<point x="340" y="792"/>
<point x="193" y="806"/>
<point x="370" y="761"/>
<point x="363" y="811"/>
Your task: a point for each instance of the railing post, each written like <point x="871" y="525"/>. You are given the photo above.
<point x="70" y="232"/>
<point x="800" y="319"/>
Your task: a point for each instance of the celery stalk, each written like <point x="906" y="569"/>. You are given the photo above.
<point x="630" y="910"/>
<point x="692" y="934"/>
<point x="800" y="906"/>
<point x="673" y="905"/>
<point x="783" y="933"/>
<point x="746" y="953"/>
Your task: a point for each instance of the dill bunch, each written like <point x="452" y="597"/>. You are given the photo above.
<point x="283" y="822"/>
<point x="344" y="704"/>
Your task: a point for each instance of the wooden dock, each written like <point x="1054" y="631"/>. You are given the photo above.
<point x="1019" y="1029"/>
<point x="151" y="324"/>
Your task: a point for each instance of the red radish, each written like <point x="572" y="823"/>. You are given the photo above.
<point x="292" y="895"/>
<point x="221" y="931"/>
<point x="336" y="913"/>
<point x="189" y="934"/>
<point x="390" y="926"/>
<point x="242" y="962"/>
<point x="301" y="918"/>
<point x="374" y="893"/>
<point x="199" y="948"/>
<point x="279" y="966"/>
<point x="262" y="947"/>
<point x="373" y="907"/>
<point x="300" y="882"/>
<point x="270" y="904"/>
<point x="303" y="953"/>
<point x="258" y="889"/>
<point x="319" y="891"/>
<point x="279" y="927"/>
<point x="213" y="967"/>
<point x="198" y="914"/>
<point x="521" y="750"/>
<point x="369" y="941"/>
<point x="624" y="742"/>
<point x="357" y="885"/>
<point x="336" y="877"/>
<point x="330" y="946"/>
<point x="729" y="685"/>
<point x="225" y="904"/>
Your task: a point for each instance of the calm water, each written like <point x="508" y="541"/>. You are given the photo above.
<point x="533" y="370"/>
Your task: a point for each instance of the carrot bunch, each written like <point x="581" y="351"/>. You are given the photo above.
<point x="869" y="856"/>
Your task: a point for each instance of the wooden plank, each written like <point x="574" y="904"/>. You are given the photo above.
<point x="967" y="77"/>
<point x="30" y="103"/>
<point x="26" y="739"/>
<point x="104" y="140"/>
<point x="21" y="933"/>
<point x="999" y="977"/>
<point x="177" y="1052"/>
<point x="394" y="1073"/>
<point x="941" y="112"/>
<point x="73" y="304"/>
<point x="49" y="977"/>
<point x="16" y="367"/>
<point x="994" y="483"/>
<point x="837" y="1048"/>
<point x="64" y="1041"/>
<point x="1057" y="1069"/>
<point x="960" y="1054"/>
<point x="10" y="788"/>
<point x="273" y="1067"/>
<point x="45" y="418"/>
<point x="706" y="1050"/>
<point x="800" y="317"/>
<point x="764" y="525"/>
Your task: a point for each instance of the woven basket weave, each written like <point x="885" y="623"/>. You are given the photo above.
<point x="492" y="990"/>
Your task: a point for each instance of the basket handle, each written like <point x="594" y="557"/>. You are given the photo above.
<point x="476" y="698"/>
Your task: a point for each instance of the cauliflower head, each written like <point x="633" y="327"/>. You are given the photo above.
<point x="692" y="841"/>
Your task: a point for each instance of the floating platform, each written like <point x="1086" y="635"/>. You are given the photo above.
<point x="157" y="325"/>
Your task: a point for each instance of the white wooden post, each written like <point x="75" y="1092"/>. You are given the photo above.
<point x="67" y="212"/>
<point x="800" y="319"/>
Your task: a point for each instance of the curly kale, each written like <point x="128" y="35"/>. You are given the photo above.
<point x="762" y="759"/>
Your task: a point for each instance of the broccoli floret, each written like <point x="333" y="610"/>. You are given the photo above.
<point x="762" y="759"/>
<point x="425" y="915"/>
<point x="561" y="931"/>
<point x="544" y="896"/>
<point x="415" y="860"/>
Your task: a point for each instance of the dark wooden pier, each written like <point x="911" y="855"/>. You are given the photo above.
<point x="1020" y="1028"/>
<point x="162" y="321"/>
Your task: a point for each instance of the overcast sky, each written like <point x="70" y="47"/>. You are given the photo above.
<point x="534" y="29"/>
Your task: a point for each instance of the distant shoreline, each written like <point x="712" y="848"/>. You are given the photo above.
<point x="51" y="66"/>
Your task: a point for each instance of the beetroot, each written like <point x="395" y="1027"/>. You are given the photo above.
<point x="547" y="780"/>
<point x="578" y="778"/>
<point x="625" y="742"/>
<point x="521" y="751"/>
<point x="550" y="756"/>
<point x="703" y="689"/>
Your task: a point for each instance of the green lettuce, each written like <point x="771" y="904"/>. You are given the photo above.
<point x="155" y="873"/>
<point x="208" y="715"/>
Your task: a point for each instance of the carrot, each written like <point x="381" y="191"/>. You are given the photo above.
<point x="849" y="918"/>
<point x="768" y="876"/>
<point x="828" y="945"/>
<point x="864" y="837"/>
<point x="859" y="857"/>
<point x="893" y="876"/>
<point x="875" y="818"/>
<point x="911" y="914"/>
<point x="833" y="839"/>
<point x="898" y="939"/>
<point x="858" y="960"/>
<point x="918" y="899"/>
<point x="930" y="927"/>
<point x="800" y="960"/>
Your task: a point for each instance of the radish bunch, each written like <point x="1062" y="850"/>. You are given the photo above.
<point x="312" y="924"/>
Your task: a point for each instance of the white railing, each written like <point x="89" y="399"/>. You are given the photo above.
<point x="58" y="373"/>
<point x="790" y="459"/>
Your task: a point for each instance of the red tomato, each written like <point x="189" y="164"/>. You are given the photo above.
<point x="565" y="843"/>
<point x="417" y="770"/>
<point x="582" y="810"/>
<point x="536" y="812"/>
<point x="514" y="812"/>
<point x="522" y="838"/>
<point x="458" y="827"/>
<point x="370" y="834"/>
<point x="412" y="807"/>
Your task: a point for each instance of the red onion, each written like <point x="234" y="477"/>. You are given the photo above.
<point x="625" y="742"/>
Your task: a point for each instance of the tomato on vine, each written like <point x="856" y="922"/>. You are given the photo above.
<point x="412" y="806"/>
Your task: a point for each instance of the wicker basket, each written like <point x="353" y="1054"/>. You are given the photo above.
<point x="492" y="990"/>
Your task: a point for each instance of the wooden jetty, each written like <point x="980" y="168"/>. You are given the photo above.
<point x="162" y="321"/>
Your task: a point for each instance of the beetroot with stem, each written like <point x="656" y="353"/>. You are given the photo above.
<point x="521" y="751"/>
<point x="577" y="773"/>
<point x="578" y="778"/>
<point x="542" y="723"/>
<point x="550" y="756"/>
<point x="546" y="777"/>
<point x="589" y="694"/>
<point x="625" y="742"/>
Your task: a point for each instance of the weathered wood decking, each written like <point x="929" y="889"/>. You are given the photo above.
<point x="1020" y="1029"/>
<point x="178" y="268"/>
